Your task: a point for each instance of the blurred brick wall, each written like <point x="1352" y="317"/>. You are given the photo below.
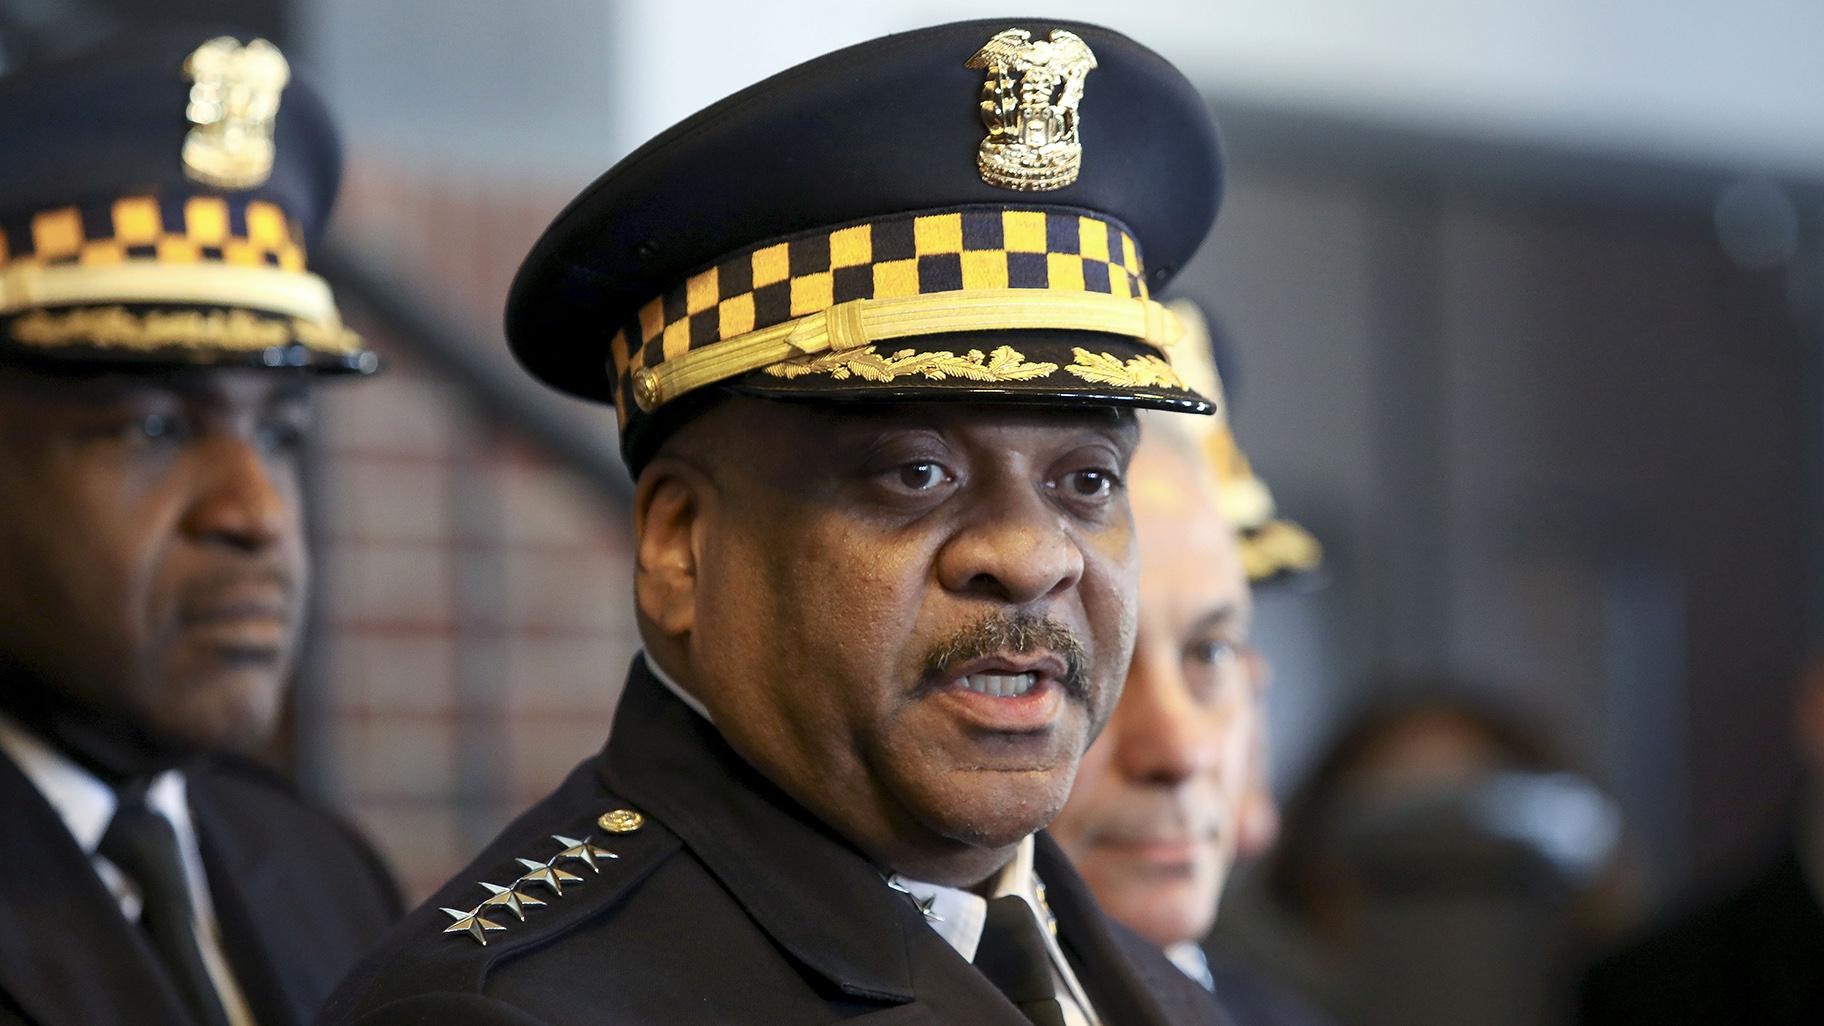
<point x="473" y="598"/>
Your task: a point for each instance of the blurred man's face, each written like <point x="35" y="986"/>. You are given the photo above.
<point x="912" y="620"/>
<point x="1155" y="817"/>
<point x="152" y="563"/>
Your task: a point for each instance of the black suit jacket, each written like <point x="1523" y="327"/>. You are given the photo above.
<point x="1755" y="958"/>
<point x="297" y="895"/>
<point x="732" y="904"/>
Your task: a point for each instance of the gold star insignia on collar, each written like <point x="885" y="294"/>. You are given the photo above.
<point x="581" y="851"/>
<point x="471" y="923"/>
<point x="548" y="875"/>
<point x="511" y="899"/>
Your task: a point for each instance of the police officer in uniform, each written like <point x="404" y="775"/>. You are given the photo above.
<point x="1175" y="790"/>
<point x="875" y="330"/>
<point x="159" y="336"/>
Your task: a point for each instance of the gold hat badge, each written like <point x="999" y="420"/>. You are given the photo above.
<point x="234" y="98"/>
<point x="1029" y="103"/>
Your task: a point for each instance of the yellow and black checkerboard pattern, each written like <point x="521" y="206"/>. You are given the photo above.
<point x="166" y="230"/>
<point x="962" y="249"/>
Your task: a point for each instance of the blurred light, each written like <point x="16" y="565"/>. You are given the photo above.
<point x="1560" y="815"/>
<point x="1757" y="224"/>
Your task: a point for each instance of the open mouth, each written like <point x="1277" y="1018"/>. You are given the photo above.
<point x="1006" y="695"/>
<point x="1000" y="685"/>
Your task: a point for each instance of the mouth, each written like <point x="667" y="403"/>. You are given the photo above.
<point x="1160" y="846"/>
<point x="1006" y="694"/>
<point x="244" y="624"/>
<point x="1000" y="685"/>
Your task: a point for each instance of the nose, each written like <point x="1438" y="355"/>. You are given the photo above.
<point x="241" y="500"/>
<point x="1015" y="548"/>
<point x="1161" y="735"/>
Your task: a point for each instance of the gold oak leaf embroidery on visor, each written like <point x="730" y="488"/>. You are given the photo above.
<point x="1004" y="364"/>
<point x="120" y="328"/>
<point x="1145" y="371"/>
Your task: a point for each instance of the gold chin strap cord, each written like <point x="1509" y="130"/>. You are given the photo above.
<point x="863" y="322"/>
<point x="296" y="294"/>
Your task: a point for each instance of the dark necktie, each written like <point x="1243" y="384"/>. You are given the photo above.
<point x="1012" y="955"/>
<point x="144" y="845"/>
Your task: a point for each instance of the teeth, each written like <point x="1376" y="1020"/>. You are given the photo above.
<point x="999" y="685"/>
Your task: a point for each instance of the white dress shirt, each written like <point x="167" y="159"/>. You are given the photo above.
<point x="86" y="805"/>
<point x="1191" y="960"/>
<point x="958" y="915"/>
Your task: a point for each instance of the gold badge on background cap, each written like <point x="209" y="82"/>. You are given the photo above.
<point x="1029" y="104"/>
<point x="234" y="97"/>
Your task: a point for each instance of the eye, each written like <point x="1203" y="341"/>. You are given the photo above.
<point x="158" y="427"/>
<point x="1217" y="667"/>
<point x="282" y="435"/>
<point x="1090" y="484"/>
<point x="1216" y="653"/>
<point x="922" y="475"/>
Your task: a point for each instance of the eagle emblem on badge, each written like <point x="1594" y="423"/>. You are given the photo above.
<point x="1029" y="103"/>
<point x="234" y="97"/>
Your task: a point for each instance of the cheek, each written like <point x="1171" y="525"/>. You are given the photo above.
<point x="104" y="543"/>
<point x="1094" y="787"/>
<point x="1235" y="760"/>
<point x="1110" y="595"/>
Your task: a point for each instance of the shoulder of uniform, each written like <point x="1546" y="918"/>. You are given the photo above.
<point x="549" y="873"/>
<point x="547" y="877"/>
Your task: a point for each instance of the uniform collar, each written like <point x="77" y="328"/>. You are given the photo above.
<point x="676" y="689"/>
<point x="84" y="801"/>
<point x="1190" y="958"/>
<point x="813" y="892"/>
<point x="958" y="915"/>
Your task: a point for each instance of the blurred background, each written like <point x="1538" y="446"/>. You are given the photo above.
<point x="1526" y="303"/>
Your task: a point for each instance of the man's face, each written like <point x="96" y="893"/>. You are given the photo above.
<point x="1153" y="822"/>
<point x="152" y="564"/>
<point x="915" y="620"/>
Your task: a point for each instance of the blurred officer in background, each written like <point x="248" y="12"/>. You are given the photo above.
<point x="874" y="329"/>
<point x="1442" y="864"/>
<point x="1176" y="787"/>
<point x="159" y="336"/>
<point x="1755" y="955"/>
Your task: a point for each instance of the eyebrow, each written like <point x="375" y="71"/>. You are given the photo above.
<point x="1221" y="616"/>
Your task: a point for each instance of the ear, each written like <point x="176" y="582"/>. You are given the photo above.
<point x="668" y="506"/>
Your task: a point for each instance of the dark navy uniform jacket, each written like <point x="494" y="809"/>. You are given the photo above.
<point x="730" y="904"/>
<point x="298" y="898"/>
<point x="1756" y="956"/>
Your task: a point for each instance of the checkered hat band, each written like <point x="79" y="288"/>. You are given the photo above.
<point x="163" y="229"/>
<point x="914" y="254"/>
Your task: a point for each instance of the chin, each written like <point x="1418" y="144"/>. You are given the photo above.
<point x="992" y="811"/>
<point x="1163" y="914"/>
<point x="232" y="711"/>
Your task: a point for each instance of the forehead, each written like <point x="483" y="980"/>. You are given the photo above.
<point x="855" y="420"/>
<point x="1190" y="560"/>
<point x="221" y="386"/>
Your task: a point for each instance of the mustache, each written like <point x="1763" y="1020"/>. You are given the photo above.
<point x="1016" y="634"/>
<point x="202" y="594"/>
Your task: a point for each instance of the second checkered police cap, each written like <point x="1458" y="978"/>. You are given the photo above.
<point x="157" y="198"/>
<point x="974" y="212"/>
